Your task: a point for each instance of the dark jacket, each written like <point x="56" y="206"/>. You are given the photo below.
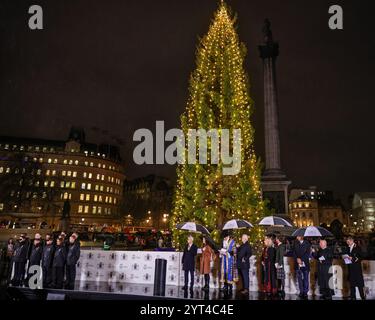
<point x="59" y="258"/>
<point x="20" y="252"/>
<point x="74" y="253"/>
<point x="324" y="274"/>
<point x="188" y="257"/>
<point x="280" y="252"/>
<point x="47" y="257"/>
<point x="355" y="268"/>
<point x="302" y="251"/>
<point x="36" y="255"/>
<point x="243" y="256"/>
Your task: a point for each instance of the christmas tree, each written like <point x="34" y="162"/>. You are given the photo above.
<point x="219" y="98"/>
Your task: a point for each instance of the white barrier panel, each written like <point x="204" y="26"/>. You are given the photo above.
<point x="139" y="267"/>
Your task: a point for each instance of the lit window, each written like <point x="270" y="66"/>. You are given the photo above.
<point x="1" y="169"/>
<point x="75" y="174"/>
<point x="62" y="184"/>
<point x="46" y="183"/>
<point x="86" y="209"/>
<point x="1" y="206"/>
<point x="53" y="172"/>
<point x="96" y="187"/>
<point x="99" y="165"/>
<point x="94" y="209"/>
<point x="85" y="174"/>
<point x="73" y="186"/>
<point x="7" y="170"/>
<point x="76" y="162"/>
<point x="89" y="186"/>
<point x="95" y="198"/>
<point x="106" y="199"/>
<point x="70" y="161"/>
<point x="103" y="166"/>
<point x="91" y="164"/>
<point x="100" y="199"/>
<point x="90" y="175"/>
<point x="114" y="200"/>
<point x="86" y="163"/>
<point x="65" y="161"/>
<point x="39" y="171"/>
<point x="49" y="160"/>
<point x="48" y="172"/>
<point x="52" y="184"/>
<point x="83" y="186"/>
<point x="99" y="210"/>
<point x="82" y="196"/>
<point x="87" y="197"/>
<point x="54" y="160"/>
<point x="69" y="173"/>
<point x="63" y="173"/>
<point x="102" y="177"/>
<point x="67" y="184"/>
<point x="101" y="188"/>
<point x="80" y="209"/>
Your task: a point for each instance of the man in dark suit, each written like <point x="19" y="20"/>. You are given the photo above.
<point x="73" y="255"/>
<point x="355" y="270"/>
<point x="188" y="262"/>
<point x="47" y="259"/>
<point x="243" y="256"/>
<point x="324" y="257"/>
<point x="58" y="264"/>
<point x="302" y="253"/>
<point x="19" y="260"/>
<point x="35" y="254"/>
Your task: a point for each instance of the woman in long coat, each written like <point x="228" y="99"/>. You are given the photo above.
<point x="208" y="255"/>
<point x="269" y="268"/>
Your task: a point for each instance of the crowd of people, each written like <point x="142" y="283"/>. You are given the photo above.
<point x="235" y="265"/>
<point x="56" y="257"/>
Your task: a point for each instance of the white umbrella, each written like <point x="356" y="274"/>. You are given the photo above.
<point x="237" y="224"/>
<point x="312" y="232"/>
<point x="274" y="221"/>
<point x="192" y="227"/>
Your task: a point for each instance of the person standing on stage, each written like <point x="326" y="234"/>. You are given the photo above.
<point x="302" y="253"/>
<point x="19" y="260"/>
<point x="207" y="257"/>
<point x="228" y="264"/>
<point x="58" y="264"/>
<point x="355" y="269"/>
<point x="73" y="255"/>
<point x="324" y="257"/>
<point x="8" y="259"/>
<point x="243" y="262"/>
<point x="279" y="264"/>
<point x="47" y="259"/>
<point x="188" y="262"/>
<point x="269" y="268"/>
<point x="35" y="254"/>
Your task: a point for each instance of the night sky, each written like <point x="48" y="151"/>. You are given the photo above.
<point x="115" y="66"/>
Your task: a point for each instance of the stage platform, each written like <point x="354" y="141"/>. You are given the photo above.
<point x="130" y="291"/>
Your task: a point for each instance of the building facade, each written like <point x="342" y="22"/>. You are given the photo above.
<point x="38" y="176"/>
<point x="149" y="201"/>
<point x="363" y="211"/>
<point x="312" y="207"/>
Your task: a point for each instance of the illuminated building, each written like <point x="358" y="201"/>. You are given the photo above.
<point x="363" y="211"/>
<point x="40" y="175"/>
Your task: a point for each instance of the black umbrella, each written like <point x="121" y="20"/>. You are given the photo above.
<point x="192" y="227"/>
<point x="312" y="232"/>
<point x="237" y="224"/>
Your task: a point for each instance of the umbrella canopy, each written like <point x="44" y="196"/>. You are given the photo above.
<point x="274" y="221"/>
<point x="237" y="224"/>
<point x="312" y="232"/>
<point x="192" y="227"/>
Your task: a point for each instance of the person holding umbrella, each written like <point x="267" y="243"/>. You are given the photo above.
<point x="228" y="269"/>
<point x="208" y="256"/>
<point x="188" y="262"/>
<point x="301" y="254"/>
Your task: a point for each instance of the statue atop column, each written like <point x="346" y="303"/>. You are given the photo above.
<point x="267" y="31"/>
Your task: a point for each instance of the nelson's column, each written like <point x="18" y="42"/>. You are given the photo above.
<point x="274" y="181"/>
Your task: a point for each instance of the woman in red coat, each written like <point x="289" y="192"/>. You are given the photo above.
<point x="205" y="263"/>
